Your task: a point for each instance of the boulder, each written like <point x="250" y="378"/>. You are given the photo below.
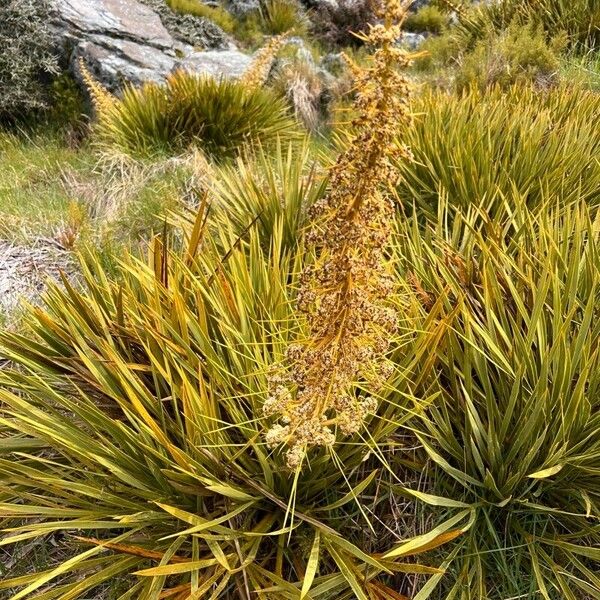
<point x="233" y="63"/>
<point x="125" y="41"/>
<point x="410" y="40"/>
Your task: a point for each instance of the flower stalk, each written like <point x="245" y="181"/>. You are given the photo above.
<point x="344" y="295"/>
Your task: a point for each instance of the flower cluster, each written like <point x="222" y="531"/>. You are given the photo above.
<point x="259" y="70"/>
<point x="345" y="294"/>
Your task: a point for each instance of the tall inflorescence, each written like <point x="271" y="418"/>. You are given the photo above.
<point x="258" y="72"/>
<point x="345" y="293"/>
<point x="101" y="98"/>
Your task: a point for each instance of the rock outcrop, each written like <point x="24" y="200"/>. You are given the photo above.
<point x="125" y="41"/>
<point x="241" y="8"/>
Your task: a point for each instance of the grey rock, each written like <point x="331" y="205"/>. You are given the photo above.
<point x="241" y="8"/>
<point x="125" y="41"/>
<point x="230" y="63"/>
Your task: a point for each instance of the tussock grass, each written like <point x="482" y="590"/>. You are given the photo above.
<point x="166" y="373"/>
<point x="579" y="19"/>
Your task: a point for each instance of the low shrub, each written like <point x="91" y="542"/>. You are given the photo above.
<point x="216" y="14"/>
<point x="27" y="61"/>
<point x="428" y="19"/>
<point x="475" y="147"/>
<point x="439" y="52"/>
<point x="217" y="115"/>
<point x="511" y="445"/>
<point x="67" y="101"/>
<point x="516" y="55"/>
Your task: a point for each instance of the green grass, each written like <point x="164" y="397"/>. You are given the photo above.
<point x="33" y="199"/>
<point x="53" y="191"/>
<point x="582" y="68"/>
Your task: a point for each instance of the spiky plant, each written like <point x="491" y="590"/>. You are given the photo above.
<point x="280" y="16"/>
<point x="219" y="116"/>
<point x="483" y="148"/>
<point x="146" y="396"/>
<point x="514" y="433"/>
<point x="579" y="19"/>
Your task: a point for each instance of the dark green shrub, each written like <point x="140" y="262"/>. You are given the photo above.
<point x="67" y="101"/>
<point x="336" y="24"/>
<point x="27" y="61"/>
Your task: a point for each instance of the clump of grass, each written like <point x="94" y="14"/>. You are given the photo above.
<point x="306" y="87"/>
<point x="163" y="376"/>
<point x="484" y="146"/>
<point x="582" y="68"/>
<point x="283" y="16"/>
<point x="219" y="116"/>
<point x="579" y="19"/>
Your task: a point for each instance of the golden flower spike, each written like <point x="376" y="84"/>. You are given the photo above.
<point x="344" y="294"/>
